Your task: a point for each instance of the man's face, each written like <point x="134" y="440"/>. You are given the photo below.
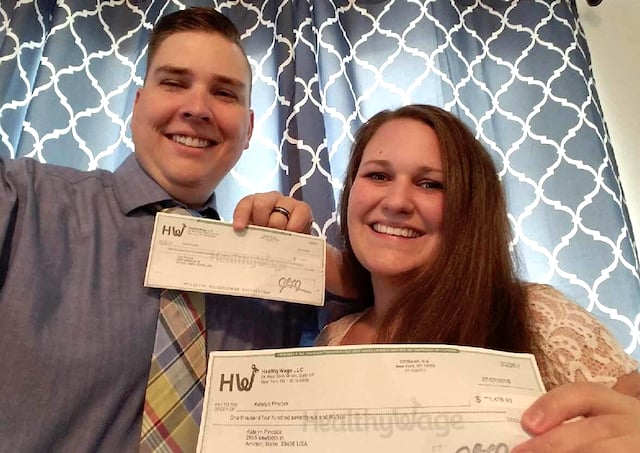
<point x="191" y="120"/>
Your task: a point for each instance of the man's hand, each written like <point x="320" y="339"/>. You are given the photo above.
<point x="273" y="210"/>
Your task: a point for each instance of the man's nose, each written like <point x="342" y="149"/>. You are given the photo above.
<point x="196" y="106"/>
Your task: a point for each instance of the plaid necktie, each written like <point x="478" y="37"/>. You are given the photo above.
<point x="175" y="390"/>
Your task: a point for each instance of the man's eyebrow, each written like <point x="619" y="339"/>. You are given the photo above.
<point x="229" y="81"/>
<point x="218" y="78"/>
<point x="173" y="70"/>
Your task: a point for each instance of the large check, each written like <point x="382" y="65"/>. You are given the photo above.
<point x="203" y="255"/>
<point x="412" y="398"/>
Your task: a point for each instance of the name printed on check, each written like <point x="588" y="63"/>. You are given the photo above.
<point x="374" y="398"/>
<point x="204" y="255"/>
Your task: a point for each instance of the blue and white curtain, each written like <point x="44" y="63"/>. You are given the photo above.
<point x="518" y="72"/>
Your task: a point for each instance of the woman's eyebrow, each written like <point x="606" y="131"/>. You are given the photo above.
<point x="385" y="163"/>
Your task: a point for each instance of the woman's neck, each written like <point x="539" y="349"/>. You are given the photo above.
<point x="385" y="291"/>
<point x="365" y="329"/>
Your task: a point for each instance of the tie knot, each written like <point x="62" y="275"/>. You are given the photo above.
<point x="174" y="207"/>
<point x="178" y="209"/>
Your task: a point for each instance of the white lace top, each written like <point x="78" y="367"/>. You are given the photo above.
<point x="573" y="344"/>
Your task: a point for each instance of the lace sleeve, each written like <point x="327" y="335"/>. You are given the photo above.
<point x="571" y="344"/>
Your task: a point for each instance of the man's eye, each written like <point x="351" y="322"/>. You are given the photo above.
<point x="172" y="83"/>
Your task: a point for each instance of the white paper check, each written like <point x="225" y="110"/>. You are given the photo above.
<point x="378" y="398"/>
<point x="197" y="254"/>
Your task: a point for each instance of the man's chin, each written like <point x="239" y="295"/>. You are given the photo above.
<point x="188" y="190"/>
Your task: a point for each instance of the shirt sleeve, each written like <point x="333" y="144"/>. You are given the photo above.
<point x="570" y="344"/>
<point x="8" y="207"/>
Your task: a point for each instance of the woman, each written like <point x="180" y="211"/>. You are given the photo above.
<point x="427" y="244"/>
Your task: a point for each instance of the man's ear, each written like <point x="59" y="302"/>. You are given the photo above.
<point x="134" y="121"/>
<point x="249" y="130"/>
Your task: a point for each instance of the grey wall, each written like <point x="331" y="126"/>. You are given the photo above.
<point x="613" y="34"/>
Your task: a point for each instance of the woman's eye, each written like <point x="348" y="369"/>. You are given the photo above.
<point x="431" y="184"/>
<point x="376" y="176"/>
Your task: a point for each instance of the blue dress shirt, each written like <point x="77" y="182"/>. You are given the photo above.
<point x="77" y="326"/>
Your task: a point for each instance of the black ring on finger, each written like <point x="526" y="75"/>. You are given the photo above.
<point x="279" y="209"/>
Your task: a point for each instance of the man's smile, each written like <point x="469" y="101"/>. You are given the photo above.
<point x="193" y="142"/>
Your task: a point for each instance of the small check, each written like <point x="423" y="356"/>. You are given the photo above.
<point x="374" y="398"/>
<point x="203" y="255"/>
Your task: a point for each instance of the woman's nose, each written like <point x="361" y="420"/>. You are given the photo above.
<point x="398" y="198"/>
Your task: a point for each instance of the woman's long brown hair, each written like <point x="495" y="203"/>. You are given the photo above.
<point x="469" y="294"/>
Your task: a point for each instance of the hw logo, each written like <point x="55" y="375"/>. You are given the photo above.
<point x="242" y="384"/>
<point x="171" y="230"/>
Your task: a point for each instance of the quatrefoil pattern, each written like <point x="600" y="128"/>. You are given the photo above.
<point x="518" y="72"/>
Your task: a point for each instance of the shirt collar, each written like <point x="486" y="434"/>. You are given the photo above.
<point x="135" y="189"/>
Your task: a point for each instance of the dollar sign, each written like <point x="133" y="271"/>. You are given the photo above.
<point x="478" y="399"/>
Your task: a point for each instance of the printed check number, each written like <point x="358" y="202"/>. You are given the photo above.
<point x="203" y="255"/>
<point x="377" y="398"/>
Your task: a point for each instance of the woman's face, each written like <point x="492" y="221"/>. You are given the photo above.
<point x="396" y="203"/>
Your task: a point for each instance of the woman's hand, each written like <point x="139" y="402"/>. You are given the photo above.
<point x="610" y="420"/>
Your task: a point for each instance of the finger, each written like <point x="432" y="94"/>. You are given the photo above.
<point x="254" y="209"/>
<point x="577" y="436"/>
<point x="291" y="215"/>
<point x="301" y="217"/>
<point x="572" y="400"/>
<point x="242" y="213"/>
<point x="623" y="444"/>
<point x="279" y="216"/>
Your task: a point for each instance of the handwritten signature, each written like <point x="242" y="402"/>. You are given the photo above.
<point x="291" y="283"/>
<point x="479" y="448"/>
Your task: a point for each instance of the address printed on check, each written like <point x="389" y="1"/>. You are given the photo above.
<point x="203" y="255"/>
<point x="417" y="398"/>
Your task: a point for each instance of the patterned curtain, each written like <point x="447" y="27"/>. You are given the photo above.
<point x="518" y="72"/>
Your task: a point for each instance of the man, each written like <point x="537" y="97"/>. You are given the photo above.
<point x="77" y="327"/>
